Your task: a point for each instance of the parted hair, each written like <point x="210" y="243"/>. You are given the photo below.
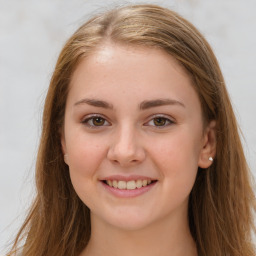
<point x="222" y="202"/>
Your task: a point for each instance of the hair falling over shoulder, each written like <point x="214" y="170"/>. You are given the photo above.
<point x="222" y="203"/>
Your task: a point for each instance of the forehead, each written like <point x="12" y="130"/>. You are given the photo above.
<point x="123" y="56"/>
<point x="131" y="72"/>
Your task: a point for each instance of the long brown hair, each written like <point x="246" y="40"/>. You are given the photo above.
<point x="222" y="202"/>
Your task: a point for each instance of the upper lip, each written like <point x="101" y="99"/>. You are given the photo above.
<point x="127" y="178"/>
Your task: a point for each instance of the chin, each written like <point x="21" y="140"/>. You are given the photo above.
<point x="130" y="224"/>
<point x="129" y="220"/>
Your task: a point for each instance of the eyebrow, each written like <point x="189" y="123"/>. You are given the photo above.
<point x="95" y="103"/>
<point x="159" y="102"/>
<point x="143" y="105"/>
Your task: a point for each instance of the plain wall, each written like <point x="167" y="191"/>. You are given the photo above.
<point x="32" y="34"/>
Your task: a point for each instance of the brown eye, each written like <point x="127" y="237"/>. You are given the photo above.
<point x="98" y="121"/>
<point x="95" y="121"/>
<point x="160" y="121"/>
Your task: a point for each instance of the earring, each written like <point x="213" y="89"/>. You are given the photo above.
<point x="210" y="158"/>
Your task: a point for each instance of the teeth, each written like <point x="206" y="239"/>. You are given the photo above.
<point x="114" y="183"/>
<point x="132" y="184"/>
<point x="139" y="183"/>
<point x="144" y="183"/>
<point x="121" y="184"/>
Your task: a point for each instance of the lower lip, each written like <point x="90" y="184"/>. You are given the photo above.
<point x="129" y="192"/>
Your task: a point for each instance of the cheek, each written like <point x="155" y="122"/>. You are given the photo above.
<point x="177" y="150"/>
<point x="177" y="159"/>
<point x="85" y="154"/>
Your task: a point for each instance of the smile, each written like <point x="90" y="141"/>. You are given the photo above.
<point x="129" y="185"/>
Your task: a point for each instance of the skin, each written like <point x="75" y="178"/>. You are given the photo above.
<point x="131" y="141"/>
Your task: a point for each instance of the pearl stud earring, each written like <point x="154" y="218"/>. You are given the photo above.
<point x="210" y="158"/>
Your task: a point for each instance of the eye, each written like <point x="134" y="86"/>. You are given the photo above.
<point x="159" y="121"/>
<point x="95" y="121"/>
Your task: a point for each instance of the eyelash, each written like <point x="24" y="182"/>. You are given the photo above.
<point x="91" y="118"/>
<point x="166" y="120"/>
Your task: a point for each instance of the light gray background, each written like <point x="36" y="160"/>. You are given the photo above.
<point x="31" y="36"/>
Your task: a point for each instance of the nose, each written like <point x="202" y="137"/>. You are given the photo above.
<point x="126" y="149"/>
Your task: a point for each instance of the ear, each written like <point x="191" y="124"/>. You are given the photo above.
<point x="208" y="150"/>
<point x="63" y="146"/>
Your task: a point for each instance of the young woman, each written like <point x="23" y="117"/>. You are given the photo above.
<point x="140" y="152"/>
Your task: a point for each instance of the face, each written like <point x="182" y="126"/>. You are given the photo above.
<point x="133" y="136"/>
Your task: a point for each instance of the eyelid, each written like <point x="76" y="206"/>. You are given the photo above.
<point x="87" y="118"/>
<point x="168" y="118"/>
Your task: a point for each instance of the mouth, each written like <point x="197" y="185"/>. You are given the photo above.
<point x="129" y="185"/>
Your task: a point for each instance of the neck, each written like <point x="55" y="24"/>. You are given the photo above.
<point x="161" y="238"/>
